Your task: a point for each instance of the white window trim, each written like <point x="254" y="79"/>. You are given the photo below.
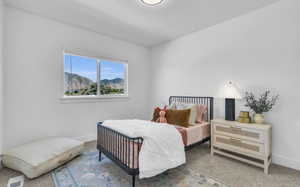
<point x="98" y="97"/>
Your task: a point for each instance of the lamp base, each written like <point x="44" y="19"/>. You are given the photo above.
<point x="230" y="109"/>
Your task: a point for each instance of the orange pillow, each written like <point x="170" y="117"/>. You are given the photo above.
<point x="178" y="117"/>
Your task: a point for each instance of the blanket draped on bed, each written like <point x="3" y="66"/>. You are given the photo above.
<point x="162" y="147"/>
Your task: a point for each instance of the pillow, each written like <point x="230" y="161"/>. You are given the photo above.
<point x="201" y="110"/>
<point x="178" y="117"/>
<point x="194" y="110"/>
<point x="172" y="106"/>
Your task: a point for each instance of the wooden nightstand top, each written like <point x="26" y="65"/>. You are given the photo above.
<point x="238" y="124"/>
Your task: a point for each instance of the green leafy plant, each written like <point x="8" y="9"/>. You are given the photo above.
<point x="264" y="103"/>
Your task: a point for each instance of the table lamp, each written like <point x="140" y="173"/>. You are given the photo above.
<point x="230" y="94"/>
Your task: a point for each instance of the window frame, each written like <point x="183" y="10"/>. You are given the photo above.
<point x="98" y="70"/>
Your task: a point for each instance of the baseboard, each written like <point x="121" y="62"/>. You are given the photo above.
<point x="284" y="161"/>
<point x="87" y="138"/>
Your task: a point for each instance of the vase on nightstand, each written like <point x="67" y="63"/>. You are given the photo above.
<point x="259" y="118"/>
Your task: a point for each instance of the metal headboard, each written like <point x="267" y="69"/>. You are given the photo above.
<point x="207" y="101"/>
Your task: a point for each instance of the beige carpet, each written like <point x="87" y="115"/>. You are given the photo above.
<point x="230" y="172"/>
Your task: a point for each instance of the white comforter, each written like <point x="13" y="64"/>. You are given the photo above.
<point x="162" y="147"/>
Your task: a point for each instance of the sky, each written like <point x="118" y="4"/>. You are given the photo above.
<point x="87" y="67"/>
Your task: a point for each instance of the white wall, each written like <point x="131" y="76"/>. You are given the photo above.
<point x="256" y="51"/>
<point x="1" y="75"/>
<point x="33" y="60"/>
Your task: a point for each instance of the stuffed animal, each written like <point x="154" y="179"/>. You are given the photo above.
<point x="162" y="116"/>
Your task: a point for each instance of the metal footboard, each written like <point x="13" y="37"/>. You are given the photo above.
<point x="121" y="149"/>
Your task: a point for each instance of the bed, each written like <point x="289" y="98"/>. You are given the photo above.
<point x="124" y="150"/>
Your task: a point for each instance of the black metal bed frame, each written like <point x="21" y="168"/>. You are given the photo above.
<point x="123" y="150"/>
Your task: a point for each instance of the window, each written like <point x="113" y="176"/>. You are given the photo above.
<point x="87" y="77"/>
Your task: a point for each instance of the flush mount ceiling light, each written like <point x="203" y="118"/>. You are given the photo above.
<point x="152" y="2"/>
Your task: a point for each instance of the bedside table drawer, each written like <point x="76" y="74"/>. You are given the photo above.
<point x="238" y="145"/>
<point x="239" y="132"/>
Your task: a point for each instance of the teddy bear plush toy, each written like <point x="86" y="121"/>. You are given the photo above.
<point x="162" y="116"/>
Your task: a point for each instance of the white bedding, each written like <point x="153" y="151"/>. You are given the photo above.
<point x="162" y="147"/>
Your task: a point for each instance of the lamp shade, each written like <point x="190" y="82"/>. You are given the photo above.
<point x="152" y="2"/>
<point x="231" y="92"/>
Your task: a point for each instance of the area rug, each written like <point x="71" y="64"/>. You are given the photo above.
<point x="87" y="171"/>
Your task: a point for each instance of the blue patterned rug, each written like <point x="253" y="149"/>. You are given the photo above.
<point x="87" y="171"/>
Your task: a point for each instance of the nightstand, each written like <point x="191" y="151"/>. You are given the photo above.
<point x="250" y="143"/>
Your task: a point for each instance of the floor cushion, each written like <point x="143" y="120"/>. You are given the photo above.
<point x="36" y="158"/>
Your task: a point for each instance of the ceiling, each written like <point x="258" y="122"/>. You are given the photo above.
<point x="135" y="22"/>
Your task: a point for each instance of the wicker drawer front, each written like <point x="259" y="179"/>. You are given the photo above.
<point x="237" y="132"/>
<point x="238" y="144"/>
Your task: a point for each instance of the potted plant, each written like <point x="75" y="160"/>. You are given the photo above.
<point x="260" y="105"/>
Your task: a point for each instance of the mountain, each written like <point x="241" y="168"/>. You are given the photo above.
<point x="116" y="83"/>
<point x="78" y="82"/>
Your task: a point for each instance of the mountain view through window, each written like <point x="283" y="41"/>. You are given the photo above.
<point x="84" y="76"/>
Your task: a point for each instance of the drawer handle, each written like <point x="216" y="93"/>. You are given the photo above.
<point x="236" y="128"/>
<point x="236" y="141"/>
